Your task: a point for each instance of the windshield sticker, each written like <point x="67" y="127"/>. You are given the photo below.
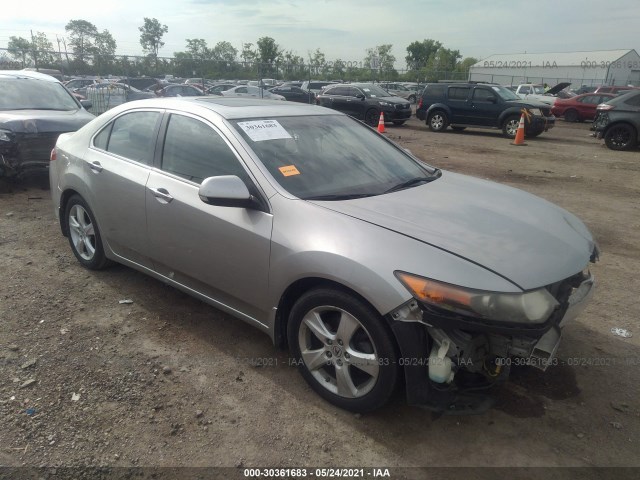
<point x="260" y="130"/>
<point x="289" y="170"/>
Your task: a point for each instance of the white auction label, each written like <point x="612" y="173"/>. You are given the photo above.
<point x="259" y="130"/>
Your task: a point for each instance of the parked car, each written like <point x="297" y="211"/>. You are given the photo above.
<point x="365" y="101"/>
<point x="219" y="88"/>
<point x="141" y="83"/>
<point x="615" y="89"/>
<point x="462" y="105"/>
<point x="399" y="90"/>
<point x="250" y="91"/>
<point x="618" y="121"/>
<point x="80" y="83"/>
<point x="34" y="109"/>
<point x="315" y="86"/>
<point x="104" y="96"/>
<point x="579" y="108"/>
<point x="370" y="265"/>
<point x="179" y="90"/>
<point x="294" y="94"/>
<point x="530" y="91"/>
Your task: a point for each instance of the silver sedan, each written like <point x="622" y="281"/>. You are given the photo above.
<point x="248" y="91"/>
<point x="372" y="267"/>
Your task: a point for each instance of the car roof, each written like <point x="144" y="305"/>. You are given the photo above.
<point x="27" y="74"/>
<point x="236" y="108"/>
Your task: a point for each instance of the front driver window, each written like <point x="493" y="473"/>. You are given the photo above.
<point x="195" y="151"/>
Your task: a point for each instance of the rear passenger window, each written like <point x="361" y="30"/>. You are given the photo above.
<point x="132" y="136"/>
<point x="458" y="93"/>
<point x="435" y="91"/>
<point x="195" y="151"/>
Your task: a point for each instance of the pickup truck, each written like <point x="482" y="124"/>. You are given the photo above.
<point x="532" y="91"/>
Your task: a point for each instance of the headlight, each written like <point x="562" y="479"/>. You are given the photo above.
<point x="384" y="104"/>
<point x="535" y="111"/>
<point x="5" y="136"/>
<point x="530" y="307"/>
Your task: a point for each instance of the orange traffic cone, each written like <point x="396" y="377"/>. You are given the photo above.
<point x="381" y="123"/>
<point x="519" y="140"/>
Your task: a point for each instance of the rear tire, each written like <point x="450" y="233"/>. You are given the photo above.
<point x="571" y="116"/>
<point x="621" y="137"/>
<point x="84" y="235"/>
<point x="437" y="121"/>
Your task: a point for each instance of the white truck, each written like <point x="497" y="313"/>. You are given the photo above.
<point x="533" y="91"/>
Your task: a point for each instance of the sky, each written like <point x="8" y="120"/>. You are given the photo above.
<point x="345" y="29"/>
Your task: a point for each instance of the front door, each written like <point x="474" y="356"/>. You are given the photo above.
<point x="220" y="252"/>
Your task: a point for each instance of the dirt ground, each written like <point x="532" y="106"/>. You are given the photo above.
<point x="166" y="381"/>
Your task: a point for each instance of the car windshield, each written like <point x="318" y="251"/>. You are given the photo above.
<point x="32" y="94"/>
<point x="330" y="157"/>
<point x="505" y="93"/>
<point x="538" y="89"/>
<point x="373" y="91"/>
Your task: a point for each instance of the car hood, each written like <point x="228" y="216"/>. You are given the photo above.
<point x="529" y="102"/>
<point x="44" y="121"/>
<point x="390" y="99"/>
<point x="556" y="88"/>
<point x="514" y="234"/>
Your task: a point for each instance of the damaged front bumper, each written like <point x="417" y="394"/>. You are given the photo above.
<point x="450" y="362"/>
<point x="26" y="153"/>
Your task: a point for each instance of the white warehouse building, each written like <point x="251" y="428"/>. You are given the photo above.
<point x="605" y="67"/>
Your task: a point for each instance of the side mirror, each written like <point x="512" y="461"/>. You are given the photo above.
<point x="86" y="104"/>
<point x="493" y="100"/>
<point x="227" y="191"/>
<point x="360" y="96"/>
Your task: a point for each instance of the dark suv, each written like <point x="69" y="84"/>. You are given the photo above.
<point x="462" y="105"/>
<point x="365" y="101"/>
<point x="618" y="121"/>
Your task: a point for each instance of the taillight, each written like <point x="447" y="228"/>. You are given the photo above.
<point x="53" y="155"/>
<point x="420" y="103"/>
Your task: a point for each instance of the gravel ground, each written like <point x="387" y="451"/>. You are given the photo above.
<point x="166" y="381"/>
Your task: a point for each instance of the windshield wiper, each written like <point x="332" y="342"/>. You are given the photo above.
<point x="346" y="196"/>
<point x="412" y="182"/>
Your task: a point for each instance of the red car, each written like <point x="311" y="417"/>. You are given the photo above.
<point x="581" y="107"/>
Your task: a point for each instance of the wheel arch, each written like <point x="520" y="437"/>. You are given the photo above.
<point x="437" y="107"/>
<point x="64" y="200"/>
<point x="298" y="288"/>
<point x="623" y="122"/>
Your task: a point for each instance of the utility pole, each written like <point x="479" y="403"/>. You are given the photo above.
<point x="35" y="52"/>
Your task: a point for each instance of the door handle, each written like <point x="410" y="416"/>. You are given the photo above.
<point x="95" y="166"/>
<point x="161" y="194"/>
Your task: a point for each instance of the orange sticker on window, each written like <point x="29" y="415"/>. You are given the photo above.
<point x="289" y="170"/>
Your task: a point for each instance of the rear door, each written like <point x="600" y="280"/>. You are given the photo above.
<point x="459" y="103"/>
<point x="117" y="167"/>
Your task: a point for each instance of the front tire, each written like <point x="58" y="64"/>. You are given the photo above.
<point x="510" y="126"/>
<point x="343" y="349"/>
<point x="372" y="117"/>
<point x="621" y="137"/>
<point x="84" y="235"/>
<point x="437" y="121"/>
